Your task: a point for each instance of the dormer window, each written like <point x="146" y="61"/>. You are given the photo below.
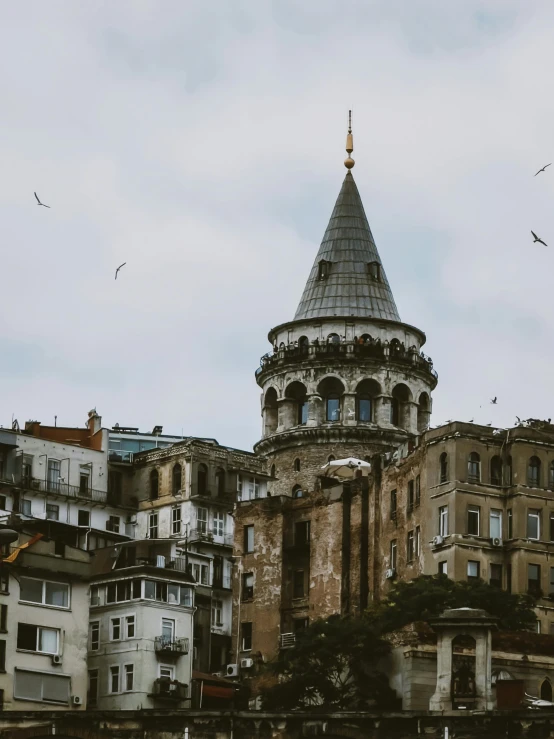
<point x="324" y="269"/>
<point x="374" y="269"/>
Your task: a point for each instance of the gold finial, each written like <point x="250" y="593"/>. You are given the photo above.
<point x="349" y="162"/>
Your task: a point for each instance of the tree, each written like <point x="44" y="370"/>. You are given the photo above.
<point x="332" y="664"/>
<point x="428" y="596"/>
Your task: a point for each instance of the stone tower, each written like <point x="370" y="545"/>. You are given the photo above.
<point x="345" y="377"/>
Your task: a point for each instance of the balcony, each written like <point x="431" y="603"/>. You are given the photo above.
<point x="287" y="641"/>
<point x="210" y="537"/>
<point x="166" y="563"/>
<point x="63" y="489"/>
<point x="166" y="647"/>
<point x="222" y="583"/>
<point x="165" y="688"/>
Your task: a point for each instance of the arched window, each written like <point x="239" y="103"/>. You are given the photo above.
<point x="154" y="484"/>
<point x="297" y="492"/>
<point x="176" y="479"/>
<point x="474" y="468"/>
<point x="297" y="465"/>
<point x="366" y="392"/>
<point x="333" y="407"/>
<point x="202" y="479"/>
<point x="269" y="412"/>
<point x="443" y="460"/>
<point x="365" y="339"/>
<point x="423" y="412"/>
<point x="496" y="470"/>
<point x="303" y="344"/>
<point x="333" y="339"/>
<point x="546" y="690"/>
<point x="551" y="476"/>
<point x="400" y="409"/>
<point x="220" y="482"/>
<point x="509" y="470"/>
<point x="534" y="472"/>
<point x="331" y="389"/>
<point x="296" y="392"/>
<point x="273" y="470"/>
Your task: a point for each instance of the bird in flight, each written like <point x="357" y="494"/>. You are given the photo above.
<point x="38" y="201"/>
<point x="536" y="238"/>
<point x="518" y="419"/>
<point x="117" y="270"/>
<point x="493" y="401"/>
<point x="542" y="170"/>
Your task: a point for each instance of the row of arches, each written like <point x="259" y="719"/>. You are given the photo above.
<point x="177" y="481"/>
<point x="499" y="472"/>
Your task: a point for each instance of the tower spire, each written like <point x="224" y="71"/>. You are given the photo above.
<point x="349" y="162"/>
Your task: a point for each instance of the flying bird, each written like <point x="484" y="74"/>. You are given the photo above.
<point x="542" y="170"/>
<point x="518" y="419"/>
<point x="117" y="270"/>
<point x="493" y="401"/>
<point x="536" y="238"/>
<point x="38" y="201"/>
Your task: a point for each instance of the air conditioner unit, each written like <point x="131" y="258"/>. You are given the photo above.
<point x="76" y="700"/>
<point x="246" y="663"/>
<point x="437" y="541"/>
<point x="389" y="574"/>
<point x="132" y="518"/>
<point x="496" y="542"/>
<point x="218" y="674"/>
<point x="232" y="670"/>
<point x="56" y="659"/>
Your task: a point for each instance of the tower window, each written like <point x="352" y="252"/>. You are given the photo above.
<point x="297" y="465"/>
<point x="374" y="270"/>
<point x="324" y="268"/>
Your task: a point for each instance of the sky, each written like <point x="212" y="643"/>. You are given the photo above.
<point x="203" y="144"/>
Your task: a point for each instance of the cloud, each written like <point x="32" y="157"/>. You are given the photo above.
<point x="203" y="144"/>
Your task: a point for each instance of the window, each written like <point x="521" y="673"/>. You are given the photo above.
<point x="37" y="639"/>
<point x="44" y="592"/>
<point x="551" y="584"/>
<point x="114" y="679"/>
<point x="25" y="507"/>
<point x="302" y="411"/>
<point x="176" y="520"/>
<point x="246" y="636"/>
<point x="297" y="465"/>
<point x="323" y="269"/>
<point x="417" y="541"/>
<point x="3" y="617"/>
<point x="443" y="520"/>
<point x="2" y="655"/>
<point x="410" y="548"/>
<point x="83" y="518"/>
<point x="122" y="591"/>
<point x="94" y="635"/>
<point x="112" y="524"/>
<point x="298" y="584"/>
<point x="443" y="461"/>
<point x="152" y="525"/>
<point x="496" y="470"/>
<point x="167" y="672"/>
<point x="410" y="496"/>
<point x="92" y="693"/>
<point x="168" y="630"/>
<point x="393" y="505"/>
<point x="546" y="690"/>
<point x="129" y="676"/>
<point x="115" y="629"/>
<point x="297" y="492"/>
<point x="201" y="573"/>
<point x="496" y="576"/>
<point x="220" y="483"/>
<point x="52" y="512"/>
<point x="534" y="580"/>
<point x="393" y="554"/>
<point x="41" y="686"/>
<point x="472" y="570"/>
<point x="333" y="407"/>
<point x="417" y="490"/>
<point x="474" y="468"/>
<point x="302" y="533"/>
<point x="53" y="479"/>
<point x="248" y="539"/>
<point x="176" y="479"/>
<point x="534" y="472"/>
<point x="247" y="586"/>
<point x="551" y="476"/>
<point x="202" y="520"/>
<point x="115" y="486"/>
<point x="84" y="479"/>
<point x="130" y="626"/>
<point x="374" y="271"/>
<point x="473" y="514"/>
<point x="217" y="612"/>
<point x="533" y="524"/>
<point x="364" y="408"/>
<point x="510" y="524"/>
<point x="154" y="488"/>
<point x="219" y="523"/>
<point x="202" y="479"/>
<point x="495" y="524"/>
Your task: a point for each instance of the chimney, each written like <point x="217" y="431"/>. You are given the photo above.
<point x="94" y="422"/>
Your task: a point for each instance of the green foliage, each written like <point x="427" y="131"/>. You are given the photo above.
<point x="332" y="664"/>
<point x="428" y="596"/>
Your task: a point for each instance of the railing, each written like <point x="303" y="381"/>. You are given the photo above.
<point x="119" y="456"/>
<point x="222" y="582"/>
<point x="171" y="646"/>
<point x="165" y="687"/>
<point x="287" y="641"/>
<point x="62" y="488"/>
<point x="165" y="563"/>
<point x="209" y="536"/>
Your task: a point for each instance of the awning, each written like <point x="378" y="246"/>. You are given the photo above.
<point x="217" y="691"/>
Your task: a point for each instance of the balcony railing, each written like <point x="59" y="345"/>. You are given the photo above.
<point x="168" y="689"/>
<point x="209" y="536"/>
<point x="62" y="488"/>
<point x="166" y="563"/>
<point x="287" y="641"/>
<point x="165" y="646"/>
<point x="119" y="456"/>
<point x="222" y="582"/>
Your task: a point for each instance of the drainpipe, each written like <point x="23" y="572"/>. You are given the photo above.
<point x="239" y="568"/>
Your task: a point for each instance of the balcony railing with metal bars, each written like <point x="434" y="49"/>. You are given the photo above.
<point x="62" y="488"/>
<point x="210" y="536"/>
<point x="164" y="645"/>
<point x="168" y="689"/>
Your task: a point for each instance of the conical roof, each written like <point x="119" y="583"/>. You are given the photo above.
<point x="353" y="283"/>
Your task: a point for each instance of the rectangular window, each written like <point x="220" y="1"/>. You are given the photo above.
<point x="410" y="546"/>
<point x="26" y="507"/>
<point x="534" y="524"/>
<point x="168" y="630"/>
<point x="302" y="533"/>
<point x="417" y="541"/>
<point x="204" y="575"/>
<point x="115" y="629"/>
<point x="44" y="592"/>
<point x="538" y="627"/>
<point x="473" y="570"/>
<point x="417" y="490"/>
<point x="202" y="520"/>
<point x="3" y="617"/>
<point x="247" y="586"/>
<point x="83" y="518"/>
<point x="112" y="524"/>
<point x="495" y="524"/>
<point x="393" y="505"/>
<point x="52" y="512"/>
<point x="94" y="635"/>
<point x="129" y="676"/>
<point x="114" y="679"/>
<point x="217" y="612"/>
<point x="176" y="520"/>
<point x="552" y="527"/>
<point x="443" y="569"/>
<point x="167" y="671"/>
<point x="248" y="539"/>
<point x="54" y="479"/>
<point x="246" y="636"/>
<point x="186" y="596"/>
<point x="443" y="520"/>
<point x="37" y="639"/>
<point x="219" y="523"/>
<point x="130" y="626"/>
<point x="84" y="479"/>
<point x="27" y="470"/>
<point x="473" y="515"/>
<point x="534" y="580"/>
<point x="92" y="693"/>
<point x="393" y="554"/>
<point x="410" y="496"/>
<point x="153" y="526"/>
<point x="551" y="588"/>
<point x="510" y="524"/>
<point x="496" y="576"/>
<point x="298" y="584"/>
<point x="41" y="686"/>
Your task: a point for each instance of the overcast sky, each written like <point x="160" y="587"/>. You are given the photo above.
<point x="202" y="143"/>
